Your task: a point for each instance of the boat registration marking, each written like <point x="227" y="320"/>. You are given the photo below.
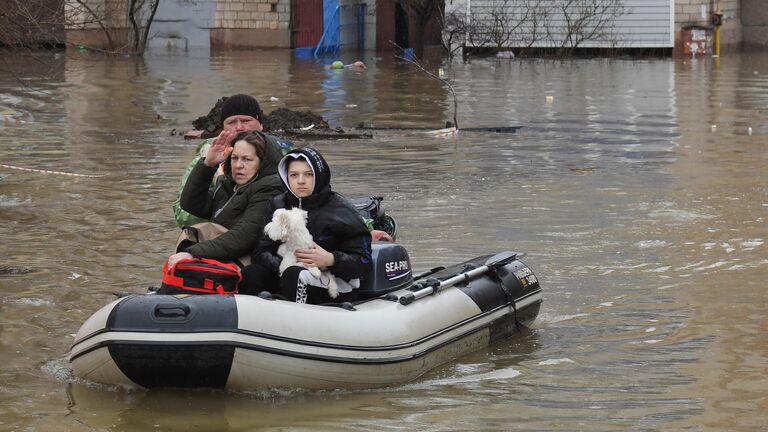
<point x="525" y="276"/>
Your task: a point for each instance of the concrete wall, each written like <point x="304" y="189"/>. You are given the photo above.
<point x="370" y="25"/>
<point x="183" y="25"/>
<point x="754" y="18"/>
<point x="699" y="13"/>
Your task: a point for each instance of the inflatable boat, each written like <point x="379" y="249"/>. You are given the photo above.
<point x="404" y="326"/>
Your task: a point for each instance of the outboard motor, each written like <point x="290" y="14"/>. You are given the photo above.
<point x="370" y="209"/>
<point x="391" y="270"/>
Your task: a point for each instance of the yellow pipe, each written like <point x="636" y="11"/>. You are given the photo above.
<point x="717" y="41"/>
<point x="717" y="30"/>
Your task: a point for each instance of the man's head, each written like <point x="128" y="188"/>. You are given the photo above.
<point x="241" y="113"/>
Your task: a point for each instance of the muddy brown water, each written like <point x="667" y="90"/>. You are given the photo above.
<point x="636" y="187"/>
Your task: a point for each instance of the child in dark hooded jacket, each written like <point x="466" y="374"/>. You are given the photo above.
<point x="238" y="203"/>
<point x="342" y="241"/>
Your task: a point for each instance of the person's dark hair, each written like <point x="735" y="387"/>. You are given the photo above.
<point x="253" y="138"/>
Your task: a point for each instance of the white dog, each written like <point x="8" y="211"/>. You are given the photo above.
<point x="290" y="227"/>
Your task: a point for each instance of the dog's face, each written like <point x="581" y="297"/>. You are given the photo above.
<point x="285" y="223"/>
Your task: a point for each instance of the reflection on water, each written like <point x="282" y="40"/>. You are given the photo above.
<point x="635" y="188"/>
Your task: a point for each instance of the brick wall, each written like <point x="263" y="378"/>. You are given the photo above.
<point x="253" y="14"/>
<point x="252" y="23"/>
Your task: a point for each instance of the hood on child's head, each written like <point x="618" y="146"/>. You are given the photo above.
<point x="316" y="161"/>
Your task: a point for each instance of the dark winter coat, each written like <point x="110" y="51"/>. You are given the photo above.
<point x="332" y="220"/>
<point x="241" y="209"/>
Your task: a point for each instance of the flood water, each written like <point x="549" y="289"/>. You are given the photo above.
<point x="636" y="188"/>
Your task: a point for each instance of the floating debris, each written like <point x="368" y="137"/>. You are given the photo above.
<point x="451" y="131"/>
<point x="14" y="270"/>
<point x="583" y="169"/>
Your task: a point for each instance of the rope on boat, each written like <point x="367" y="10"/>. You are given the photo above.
<point x="42" y="171"/>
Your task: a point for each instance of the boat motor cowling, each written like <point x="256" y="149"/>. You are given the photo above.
<point x="391" y="270"/>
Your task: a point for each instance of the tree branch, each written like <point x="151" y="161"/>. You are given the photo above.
<point x="433" y="76"/>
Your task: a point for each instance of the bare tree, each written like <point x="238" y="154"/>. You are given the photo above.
<point x="455" y="30"/>
<point x="505" y="21"/>
<point x="24" y="26"/>
<point x="479" y="35"/>
<point x="141" y="15"/>
<point x="122" y="25"/>
<point x="586" y="20"/>
<point x="538" y="21"/>
<point x="447" y="83"/>
<point x="467" y="34"/>
<point x="27" y="23"/>
<point x="563" y="24"/>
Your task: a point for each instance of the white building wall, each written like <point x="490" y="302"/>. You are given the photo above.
<point x="647" y="24"/>
<point x="643" y="23"/>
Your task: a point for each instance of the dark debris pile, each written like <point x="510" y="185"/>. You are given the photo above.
<point x="284" y="119"/>
<point x="282" y="122"/>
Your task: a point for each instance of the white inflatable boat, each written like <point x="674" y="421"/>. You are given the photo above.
<point x="406" y="326"/>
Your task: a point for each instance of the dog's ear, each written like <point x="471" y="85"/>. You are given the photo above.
<point x="285" y="220"/>
<point x="273" y="231"/>
<point x="276" y="229"/>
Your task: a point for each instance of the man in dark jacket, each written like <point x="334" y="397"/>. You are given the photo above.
<point x="342" y="241"/>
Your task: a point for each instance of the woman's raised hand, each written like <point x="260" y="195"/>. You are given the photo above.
<point x="220" y="148"/>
